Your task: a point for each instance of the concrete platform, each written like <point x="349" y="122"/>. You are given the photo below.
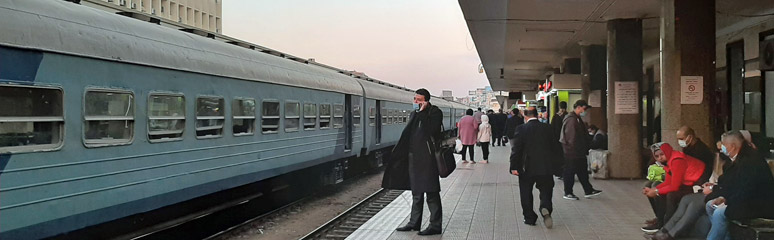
<point x="481" y="201"/>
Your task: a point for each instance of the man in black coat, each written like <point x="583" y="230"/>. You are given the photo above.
<point x="746" y="188"/>
<point x="535" y="158"/>
<point x="512" y="123"/>
<point x="413" y="167"/>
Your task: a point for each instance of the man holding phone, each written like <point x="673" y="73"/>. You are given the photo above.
<point x="412" y="166"/>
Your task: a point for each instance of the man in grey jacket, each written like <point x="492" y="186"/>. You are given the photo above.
<point x="576" y="144"/>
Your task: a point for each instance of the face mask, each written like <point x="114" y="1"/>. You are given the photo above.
<point x="724" y="150"/>
<point x="682" y="143"/>
<point x="591" y="133"/>
<point x="416" y="106"/>
<point x="583" y="114"/>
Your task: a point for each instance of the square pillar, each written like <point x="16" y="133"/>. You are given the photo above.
<point x="624" y="68"/>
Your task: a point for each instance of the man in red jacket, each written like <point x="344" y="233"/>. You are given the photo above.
<point x="682" y="172"/>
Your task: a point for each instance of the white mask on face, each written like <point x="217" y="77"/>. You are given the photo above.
<point x="682" y="143"/>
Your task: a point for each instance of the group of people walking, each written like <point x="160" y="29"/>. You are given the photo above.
<point x="484" y="130"/>
<point x="538" y="152"/>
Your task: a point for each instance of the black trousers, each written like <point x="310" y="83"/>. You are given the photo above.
<point x="470" y="148"/>
<point x="433" y="203"/>
<point x="544" y="184"/>
<point x="665" y="206"/>
<point x="576" y="167"/>
<point x="485" y="149"/>
<point x="497" y="140"/>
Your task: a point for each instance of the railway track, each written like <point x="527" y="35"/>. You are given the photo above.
<point x="350" y="220"/>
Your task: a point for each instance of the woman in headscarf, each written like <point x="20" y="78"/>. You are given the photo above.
<point x="484" y="136"/>
<point x="682" y="172"/>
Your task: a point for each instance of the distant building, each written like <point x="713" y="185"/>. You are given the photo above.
<point x="447" y="95"/>
<point x="483" y="98"/>
<point x="201" y="14"/>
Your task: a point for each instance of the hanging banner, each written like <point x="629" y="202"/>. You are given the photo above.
<point x="595" y="98"/>
<point x="691" y="89"/>
<point x="626" y="98"/>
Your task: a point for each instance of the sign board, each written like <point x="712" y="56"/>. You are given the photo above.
<point x="691" y="89"/>
<point x="626" y="98"/>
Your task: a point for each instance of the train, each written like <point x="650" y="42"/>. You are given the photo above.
<point x="104" y="116"/>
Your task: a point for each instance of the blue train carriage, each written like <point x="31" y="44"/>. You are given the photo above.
<point x="105" y="116"/>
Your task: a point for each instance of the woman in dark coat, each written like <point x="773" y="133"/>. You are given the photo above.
<point x="412" y="166"/>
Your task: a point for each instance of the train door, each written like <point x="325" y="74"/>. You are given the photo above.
<point x="348" y="122"/>
<point x="378" y="127"/>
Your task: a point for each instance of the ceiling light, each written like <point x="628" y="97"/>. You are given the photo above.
<point x="550" y="30"/>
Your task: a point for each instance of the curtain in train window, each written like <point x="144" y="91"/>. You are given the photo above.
<point x="166" y="117"/>
<point x="31" y="119"/>
<point x="209" y="117"/>
<point x="109" y="117"/>
<point x="243" y="111"/>
<point x="292" y="116"/>
<point x="310" y="116"/>
<point x="270" y="117"/>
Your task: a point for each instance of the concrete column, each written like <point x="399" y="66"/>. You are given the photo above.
<point x="624" y="55"/>
<point x="594" y="77"/>
<point x="688" y="49"/>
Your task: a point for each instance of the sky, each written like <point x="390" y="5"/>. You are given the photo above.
<point x="416" y="44"/>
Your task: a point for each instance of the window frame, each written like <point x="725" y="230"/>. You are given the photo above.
<point x="197" y="117"/>
<point x="278" y="117"/>
<point x="340" y="117"/>
<point x="102" y="143"/>
<point x="241" y="117"/>
<point x="328" y="117"/>
<point x="357" y="118"/>
<point x="305" y="117"/>
<point x="285" y="116"/>
<point x="372" y="116"/>
<point x="184" y="117"/>
<point x="42" y="147"/>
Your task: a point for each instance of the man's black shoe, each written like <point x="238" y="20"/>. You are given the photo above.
<point x="429" y="231"/>
<point x="407" y="228"/>
<point x="529" y="223"/>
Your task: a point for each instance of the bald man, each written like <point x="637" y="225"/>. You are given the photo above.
<point x="694" y="147"/>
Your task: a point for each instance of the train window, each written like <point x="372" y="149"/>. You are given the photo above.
<point x="325" y="116"/>
<point x="406" y="115"/>
<point x="356" y="114"/>
<point x="243" y="112"/>
<point x="109" y="117"/>
<point x="371" y="116"/>
<point x="385" y="115"/>
<point x="310" y="116"/>
<point x="292" y="116"/>
<point x="209" y="117"/>
<point x="338" y="116"/>
<point x="270" y="117"/>
<point x="390" y="116"/>
<point x="166" y="117"/>
<point x="31" y="119"/>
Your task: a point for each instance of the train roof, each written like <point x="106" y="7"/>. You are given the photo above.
<point x="67" y="28"/>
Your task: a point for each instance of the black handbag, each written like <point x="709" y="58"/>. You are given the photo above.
<point x="444" y="157"/>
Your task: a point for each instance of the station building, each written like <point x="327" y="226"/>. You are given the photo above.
<point x="647" y="67"/>
<point x="201" y="14"/>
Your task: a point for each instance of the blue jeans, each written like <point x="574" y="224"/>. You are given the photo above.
<point x="719" y="230"/>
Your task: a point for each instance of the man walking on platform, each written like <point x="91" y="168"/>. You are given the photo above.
<point x="575" y="143"/>
<point x="535" y="157"/>
<point x="512" y="123"/>
<point x="413" y="167"/>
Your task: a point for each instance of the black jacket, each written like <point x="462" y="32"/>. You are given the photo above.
<point x="575" y="138"/>
<point x="497" y="121"/>
<point x="535" y="151"/>
<point x="599" y="141"/>
<point x="511" y="124"/>
<point x="420" y="173"/>
<point x="700" y="151"/>
<point x="556" y="124"/>
<point x="748" y="187"/>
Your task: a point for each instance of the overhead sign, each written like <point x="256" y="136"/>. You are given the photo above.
<point x="626" y="98"/>
<point x="691" y="89"/>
